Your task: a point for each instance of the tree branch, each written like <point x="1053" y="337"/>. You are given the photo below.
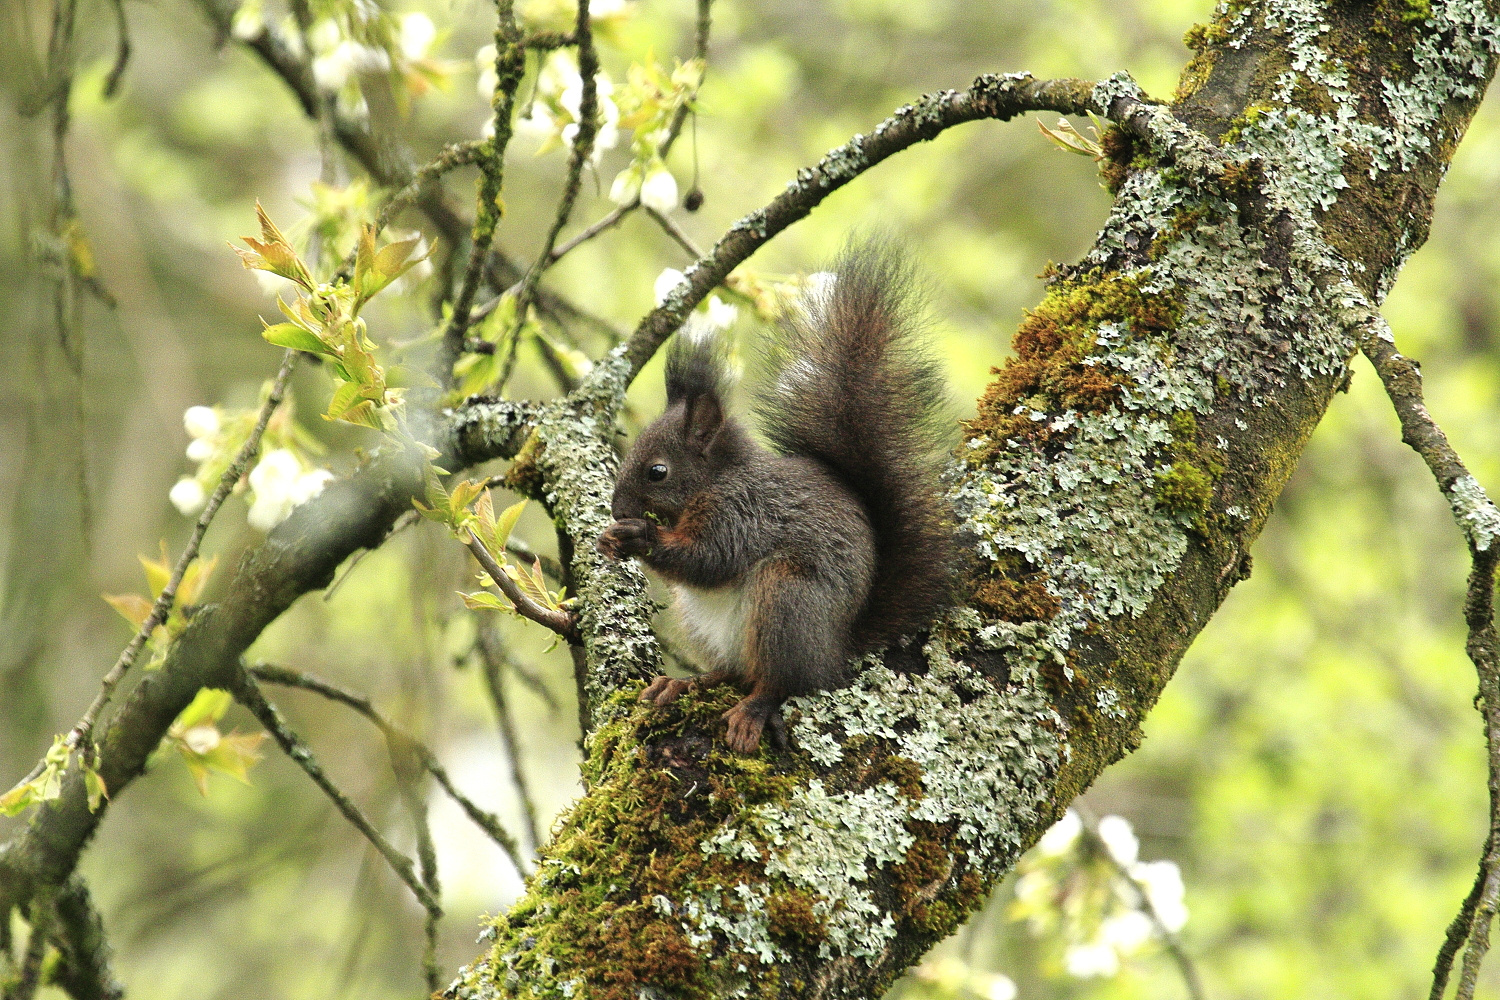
<point x="248" y="693"/>
<point x="1479" y="520"/>
<point x="486" y="821"/>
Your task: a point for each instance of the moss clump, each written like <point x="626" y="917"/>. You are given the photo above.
<point x="609" y="891"/>
<point x="791" y="917"/>
<point x="524" y="476"/>
<point x="904" y="773"/>
<point x="1204" y="41"/>
<point x="1186" y="486"/>
<point x="1120" y="157"/>
<point x="1013" y="600"/>
<point x="1053" y="370"/>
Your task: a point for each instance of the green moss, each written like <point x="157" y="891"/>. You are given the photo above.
<point x="792" y="918"/>
<point x="1052" y="370"/>
<point x="1186" y="485"/>
<point x="523" y="476"/>
<point x="608" y="896"/>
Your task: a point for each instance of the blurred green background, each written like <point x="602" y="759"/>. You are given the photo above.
<point x="1315" y="769"/>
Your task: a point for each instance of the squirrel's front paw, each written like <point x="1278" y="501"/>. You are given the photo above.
<point x="634" y="536"/>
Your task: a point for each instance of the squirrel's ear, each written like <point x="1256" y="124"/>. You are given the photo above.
<point x="703" y="415"/>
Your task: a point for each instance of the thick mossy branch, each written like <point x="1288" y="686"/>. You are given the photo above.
<point x="1117" y="472"/>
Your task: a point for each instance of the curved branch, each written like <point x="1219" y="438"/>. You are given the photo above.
<point x="990" y="96"/>
<point x="561" y="622"/>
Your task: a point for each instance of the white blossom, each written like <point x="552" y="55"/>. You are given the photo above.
<point x="201" y="421"/>
<point x="626" y="186"/>
<point x="309" y="485"/>
<point x="1162" y="881"/>
<point x="1060" y="836"/>
<point x="1127" y="931"/>
<point x="272" y="481"/>
<point x="1093" y="959"/>
<point x="659" y="190"/>
<point x="605" y="8"/>
<point x="249" y="21"/>
<point x="1119" y="839"/>
<point x="332" y="71"/>
<point x="721" y="315"/>
<point x="280" y="483"/>
<point x="669" y="279"/>
<point x="324" y="35"/>
<point x="368" y="58"/>
<point x="187" y="496"/>
<point x="202" y="739"/>
<point x="1000" y="988"/>
<point x="200" y="450"/>
<point x="539" y="123"/>
<point x="484" y="61"/>
<point x="417" y="35"/>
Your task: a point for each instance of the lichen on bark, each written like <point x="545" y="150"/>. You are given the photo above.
<point x="1110" y="486"/>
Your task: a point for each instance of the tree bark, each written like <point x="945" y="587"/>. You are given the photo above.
<point x="1118" y="470"/>
<point x="1111" y="484"/>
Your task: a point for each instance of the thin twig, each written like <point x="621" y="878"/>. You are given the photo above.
<point x="486" y="821"/>
<point x="122" y="49"/>
<point x="403" y="522"/>
<point x="990" y="97"/>
<point x="248" y="693"/>
<point x="452" y="157"/>
<point x="1479" y="520"/>
<point x="564" y="623"/>
<point x="30" y="978"/>
<point x="493" y="656"/>
<point x="407" y="764"/>
<point x="700" y="51"/>
<point x="583" y="148"/>
<point x="83" y="729"/>
<point x="675" y="231"/>
<point x="510" y="67"/>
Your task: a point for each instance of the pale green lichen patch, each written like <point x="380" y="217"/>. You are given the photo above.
<point x="1475" y="511"/>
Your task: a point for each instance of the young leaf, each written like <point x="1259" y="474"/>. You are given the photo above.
<point x="132" y="607"/>
<point x="208" y="706"/>
<point x="506" y="524"/>
<point x="292" y="336"/>
<point x="94" y="785"/>
<point x="485" y="601"/>
<point x="158" y="573"/>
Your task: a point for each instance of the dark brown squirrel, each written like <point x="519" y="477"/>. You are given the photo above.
<point x="785" y="564"/>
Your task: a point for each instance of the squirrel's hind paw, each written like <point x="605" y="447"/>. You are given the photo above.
<point x="664" y="690"/>
<point x="749" y="719"/>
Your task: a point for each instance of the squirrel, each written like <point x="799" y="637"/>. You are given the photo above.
<point x="787" y="562"/>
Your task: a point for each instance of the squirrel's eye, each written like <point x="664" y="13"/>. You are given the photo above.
<point x="656" y="473"/>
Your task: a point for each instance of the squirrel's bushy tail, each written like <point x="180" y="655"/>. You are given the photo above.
<point x="853" y="386"/>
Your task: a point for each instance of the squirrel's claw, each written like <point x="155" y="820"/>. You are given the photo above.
<point x="629" y="537"/>
<point x="664" y="690"/>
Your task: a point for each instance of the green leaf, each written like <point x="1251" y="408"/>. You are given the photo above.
<point x="94" y="785"/>
<point x="132" y="607"/>
<point x="209" y="705"/>
<point x="506" y="523"/>
<point x="157" y="573"/>
<point x="485" y="601"/>
<point x="292" y="336"/>
<point x="344" y="397"/>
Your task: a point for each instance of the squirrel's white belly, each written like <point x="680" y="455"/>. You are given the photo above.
<point x="715" y="619"/>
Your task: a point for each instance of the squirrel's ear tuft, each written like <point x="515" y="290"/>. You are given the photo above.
<point x="695" y="377"/>
<point x="695" y="367"/>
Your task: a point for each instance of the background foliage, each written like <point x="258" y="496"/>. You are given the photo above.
<point x="1315" y="768"/>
